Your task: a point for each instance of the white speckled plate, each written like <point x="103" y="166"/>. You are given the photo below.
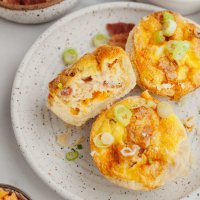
<point x="35" y="127"/>
<point x="38" y="15"/>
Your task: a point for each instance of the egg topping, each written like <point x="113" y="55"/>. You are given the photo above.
<point x="137" y="139"/>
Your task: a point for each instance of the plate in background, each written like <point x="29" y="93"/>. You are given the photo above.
<point x="184" y="7"/>
<point x="35" y="126"/>
<point x="33" y="15"/>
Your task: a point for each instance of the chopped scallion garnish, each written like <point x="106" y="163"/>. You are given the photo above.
<point x="72" y="155"/>
<point x="122" y="114"/>
<point x="70" y="56"/>
<point x="178" y="49"/>
<point x="99" y="39"/>
<point x="167" y="16"/>
<point x="169" y="27"/>
<point x="79" y="146"/>
<point x="159" y="37"/>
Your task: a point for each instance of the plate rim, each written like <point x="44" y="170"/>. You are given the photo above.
<point x="14" y="116"/>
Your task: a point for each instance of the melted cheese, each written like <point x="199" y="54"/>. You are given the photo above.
<point x="161" y="135"/>
<point x="156" y="66"/>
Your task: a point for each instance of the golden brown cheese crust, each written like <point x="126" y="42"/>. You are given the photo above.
<point x="159" y="140"/>
<point x="87" y="65"/>
<point x="87" y="87"/>
<point x="161" y="74"/>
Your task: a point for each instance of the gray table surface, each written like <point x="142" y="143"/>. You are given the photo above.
<point x="15" y="40"/>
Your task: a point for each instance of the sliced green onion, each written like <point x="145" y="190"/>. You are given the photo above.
<point x="107" y="139"/>
<point x="159" y="37"/>
<point x="122" y="114"/>
<point x="151" y="104"/>
<point x="167" y="16"/>
<point x="178" y="54"/>
<point x="172" y="45"/>
<point x="169" y="27"/>
<point x="185" y="45"/>
<point x="178" y="48"/>
<point x="103" y="142"/>
<point x="70" y="56"/>
<point x="99" y="39"/>
<point x="79" y="146"/>
<point x="60" y="86"/>
<point x="72" y="155"/>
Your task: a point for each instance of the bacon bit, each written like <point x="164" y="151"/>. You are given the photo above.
<point x="87" y="79"/>
<point x="141" y="151"/>
<point x="118" y="28"/>
<point x="159" y="16"/>
<point x="132" y="163"/>
<point x="119" y="40"/>
<point x="110" y="65"/>
<point x="147" y="131"/>
<point x="66" y="91"/>
<point x="139" y="132"/>
<point x="105" y="83"/>
<point x="169" y="68"/>
<point x="119" y="33"/>
<point x="140" y="112"/>
<point x="71" y="72"/>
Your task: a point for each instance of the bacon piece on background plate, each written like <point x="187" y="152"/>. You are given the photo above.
<point x="118" y="28"/>
<point x="119" y="33"/>
<point x="119" y="40"/>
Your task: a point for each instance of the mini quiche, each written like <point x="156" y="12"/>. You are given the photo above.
<point x="139" y="143"/>
<point x="164" y="49"/>
<point x="86" y="88"/>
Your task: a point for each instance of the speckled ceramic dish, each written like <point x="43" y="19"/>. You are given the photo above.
<point x="185" y="7"/>
<point x="35" y="126"/>
<point x="19" y="193"/>
<point x="35" y="14"/>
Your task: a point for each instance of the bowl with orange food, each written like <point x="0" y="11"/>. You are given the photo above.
<point x="8" y="192"/>
<point x="34" y="11"/>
